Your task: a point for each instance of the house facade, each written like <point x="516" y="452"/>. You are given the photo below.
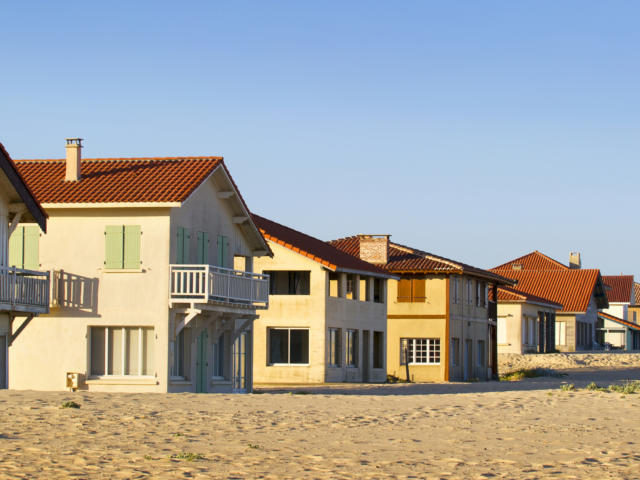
<point x="581" y="292"/>
<point x="152" y="282"/>
<point x="615" y="328"/>
<point x="326" y="320"/>
<point x="526" y="323"/>
<point x="440" y="323"/>
<point x="24" y="289"/>
<point x="634" y="306"/>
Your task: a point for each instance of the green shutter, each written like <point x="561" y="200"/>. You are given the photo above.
<point x="203" y="248"/>
<point x="225" y="248"/>
<point x="31" y="248"/>
<point x="221" y="249"/>
<point x="114" y="246"/>
<point x="132" y="246"/>
<point x="16" y="248"/>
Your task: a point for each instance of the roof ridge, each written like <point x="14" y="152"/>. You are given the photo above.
<point x="535" y="252"/>
<point x="131" y="159"/>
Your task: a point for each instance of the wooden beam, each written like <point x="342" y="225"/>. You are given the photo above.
<point x="240" y="219"/>
<point x="259" y="253"/>
<point x="185" y="321"/>
<point x="13" y="335"/>
<point x="226" y="194"/>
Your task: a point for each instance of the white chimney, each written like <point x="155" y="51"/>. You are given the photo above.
<point x="574" y="260"/>
<point x="374" y="248"/>
<point x="74" y="155"/>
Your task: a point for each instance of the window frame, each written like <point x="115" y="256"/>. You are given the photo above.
<point x="288" y="329"/>
<point x="335" y="350"/>
<point x="416" y="285"/>
<point x="142" y="352"/>
<point x="351" y="348"/>
<point x="128" y="258"/>
<point x="429" y="345"/>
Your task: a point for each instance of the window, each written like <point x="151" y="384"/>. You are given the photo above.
<point x="378" y="349"/>
<point x="469" y="292"/>
<point x="352" y="348"/>
<point x="352" y="287"/>
<point x="203" y="248"/>
<point x="182" y="247"/>
<point x="289" y="282"/>
<point x="479" y="294"/>
<point x="419" y="351"/>
<point x="24" y="248"/>
<point x="218" y="358"/>
<point x="455" y="287"/>
<point x="223" y="251"/>
<point x="122" y="246"/>
<point x="122" y="351"/>
<point x="455" y="352"/>
<point x="560" y="333"/>
<point x="334" y="347"/>
<point x="411" y="290"/>
<point x="334" y="284"/>
<point x="288" y="346"/>
<point x="182" y="354"/>
<point x="481" y="354"/>
<point x="378" y="294"/>
<point x="634" y="318"/>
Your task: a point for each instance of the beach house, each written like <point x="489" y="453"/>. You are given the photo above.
<point x="526" y="323"/>
<point x="615" y="327"/>
<point x="581" y="292"/>
<point x="440" y="323"/>
<point x="327" y="314"/>
<point x="634" y="306"/>
<point x="153" y="287"/>
<point x="24" y="289"/>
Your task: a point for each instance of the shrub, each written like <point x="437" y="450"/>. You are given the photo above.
<point x="627" y="387"/>
<point x="188" y="456"/>
<point x="70" y="404"/>
<point x="568" y="387"/>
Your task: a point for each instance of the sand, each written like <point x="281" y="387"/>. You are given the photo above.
<point x="509" y="361"/>
<point x="528" y="429"/>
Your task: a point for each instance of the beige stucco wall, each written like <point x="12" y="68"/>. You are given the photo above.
<point x="511" y="316"/>
<point x="318" y="312"/>
<point x="4" y="227"/>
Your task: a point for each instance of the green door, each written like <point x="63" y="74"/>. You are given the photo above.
<point x="201" y="363"/>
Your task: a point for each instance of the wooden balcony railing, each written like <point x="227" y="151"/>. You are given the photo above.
<point x="210" y="284"/>
<point x="24" y="290"/>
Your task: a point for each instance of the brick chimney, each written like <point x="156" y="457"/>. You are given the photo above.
<point x="74" y="155"/>
<point x="374" y="248"/>
<point x="574" y="260"/>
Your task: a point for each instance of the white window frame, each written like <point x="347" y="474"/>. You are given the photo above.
<point x="430" y="348"/>
<point x="335" y="334"/>
<point x="469" y="292"/>
<point x="456" y="290"/>
<point x="141" y="352"/>
<point x="351" y="348"/>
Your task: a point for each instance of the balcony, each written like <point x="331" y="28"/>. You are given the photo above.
<point x="24" y="290"/>
<point x="207" y="284"/>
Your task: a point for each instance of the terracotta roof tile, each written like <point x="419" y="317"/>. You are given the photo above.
<point x="636" y="293"/>
<point x="404" y="259"/>
<point x="118" y="180"/>
<point x="313" y="248"/>
<point x="621" y="288"/>
<point x="533" y="261"/>
<point x="572" y="288"/>
<point x="507" y="295"/>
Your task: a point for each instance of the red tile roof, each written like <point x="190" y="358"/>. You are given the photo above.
<point x="621" y="288"/>
<point x="572" y="288"/>
<point x="636" y="294"/>
<point x="509" y="295"/>
<point x="118" y="180"/>
<point x="619" y="320"/>
<point x="313" y="248"/>
<point x="404" y="259"/>
<point x="533" y="261"/>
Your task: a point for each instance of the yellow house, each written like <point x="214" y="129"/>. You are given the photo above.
<point x="326" y="320"/>
<point x="524" y="322"/>
<point x="145" y="295"/>
<point x="24" y="291"/>
<point x="440" y="325"/>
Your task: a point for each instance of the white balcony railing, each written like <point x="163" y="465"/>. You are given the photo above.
<point x="207" y="283"/>
<point x="24" y="290"/>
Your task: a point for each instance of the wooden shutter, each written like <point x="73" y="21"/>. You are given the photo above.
<point x="418" y="290"/>
<point x="132" y="246"/>
<point x="16" y="248"/>
<point x="219" y="260"/>
<point x="114" y="246"/>
<point x="31" y="248"/>
<point x="203" y="248"/>
<point x="404" y="290"/>
<point x="180" y="246"/>
<point x="225" y="251"/>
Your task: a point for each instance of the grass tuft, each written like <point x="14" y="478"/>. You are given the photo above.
<point x="568" y="387"/>
<point x="188" y="456"/>
<point x="254" y="446"/>
<point x="70" y="404"/>
<point x="627" y="388"/>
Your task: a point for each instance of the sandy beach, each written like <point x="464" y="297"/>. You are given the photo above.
<point x="528" y="429"/>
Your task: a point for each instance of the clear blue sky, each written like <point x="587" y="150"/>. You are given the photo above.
<point x="474" y="130"/>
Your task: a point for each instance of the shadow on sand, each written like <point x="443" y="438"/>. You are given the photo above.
<point x="579" y="377"/>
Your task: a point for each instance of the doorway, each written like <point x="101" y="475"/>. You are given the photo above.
<point x="201" y="363"/>
<point x="365" y="356"/>
<point x="468" y="359"/>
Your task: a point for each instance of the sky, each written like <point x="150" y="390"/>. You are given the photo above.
<point x="478" y="131"/>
